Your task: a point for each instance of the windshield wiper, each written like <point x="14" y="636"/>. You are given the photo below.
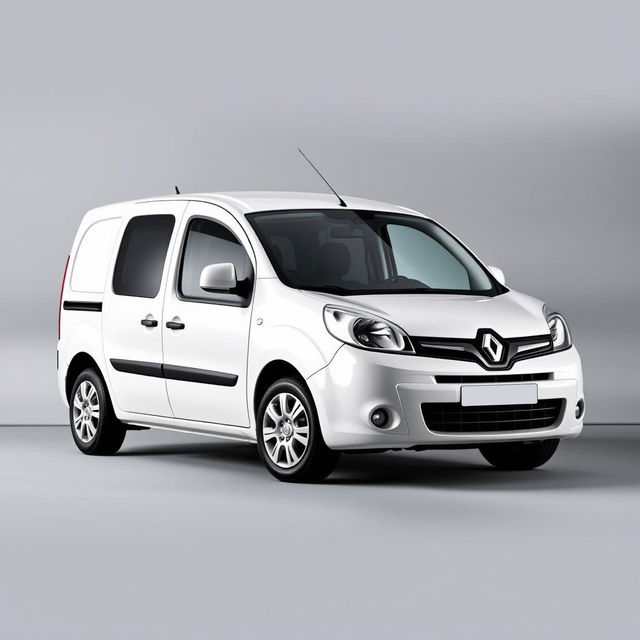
<point x="342" y="291"/>
<point x="411" y="290"/>
<point x="327" y="289"/>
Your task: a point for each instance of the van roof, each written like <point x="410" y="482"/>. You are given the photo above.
<point x="243" y="202"/>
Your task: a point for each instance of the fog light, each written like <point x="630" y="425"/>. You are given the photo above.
<point x="379" y="418"/>
<point x="580" y="409"/>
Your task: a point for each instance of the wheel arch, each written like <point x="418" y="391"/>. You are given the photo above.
<point x="78" y="364"/>
<point x="270" y="373"/>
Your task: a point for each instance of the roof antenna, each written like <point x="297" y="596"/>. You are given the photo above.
<point x="177" y="191"/>
<point x="335" y="193"/>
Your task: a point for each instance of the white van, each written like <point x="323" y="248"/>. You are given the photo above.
<point x="310" y="327"/>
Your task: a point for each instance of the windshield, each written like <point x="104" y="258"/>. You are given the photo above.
<point x="358" y="252"/>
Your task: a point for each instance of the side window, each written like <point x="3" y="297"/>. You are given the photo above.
<point x="208" y="242"/>
<point x="143" y="250"/>
<point x="92" y="258"/>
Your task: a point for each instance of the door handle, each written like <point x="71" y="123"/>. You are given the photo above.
<point x="149" y="322"/>
<point x="176" y="326"/>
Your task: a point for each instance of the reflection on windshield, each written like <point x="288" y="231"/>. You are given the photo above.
<point x="356" y="252"/>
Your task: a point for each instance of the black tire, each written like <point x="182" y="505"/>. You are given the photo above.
<point x="105" y="435"/>
<point x="317" y="461"/>
<point x="519" y="456"/>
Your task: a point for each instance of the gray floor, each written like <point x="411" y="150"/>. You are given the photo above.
<point x="188" y="537"/>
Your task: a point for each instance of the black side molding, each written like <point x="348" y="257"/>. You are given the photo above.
<point x="77" y="305"/>
<point x="174" y="372"/>
<point x="153" y="369"/>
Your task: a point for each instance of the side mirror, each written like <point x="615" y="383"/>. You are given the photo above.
<point x="498" y="274"/>
<point x="218" y="277"/>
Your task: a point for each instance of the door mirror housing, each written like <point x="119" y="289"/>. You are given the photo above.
<point x="218" y="277"/>
<point x="498" y="274"/>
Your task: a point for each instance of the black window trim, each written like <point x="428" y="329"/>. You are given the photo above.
<point x="245" y="302"/>
<point x="167" y="258"/>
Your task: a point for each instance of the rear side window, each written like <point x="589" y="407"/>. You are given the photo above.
<point x="143" y="250"/>
<point x="93" y="255"/>
<point x="208" y="242"/>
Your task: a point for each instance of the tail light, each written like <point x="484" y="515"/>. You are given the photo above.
<point x="64" y="277"/>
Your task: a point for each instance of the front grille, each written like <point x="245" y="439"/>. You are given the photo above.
<point x="501" y="353"/>
<point x="452" y="417"/>
<point x="515" y="377"/>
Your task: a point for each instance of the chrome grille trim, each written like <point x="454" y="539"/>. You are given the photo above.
<point x="471" y="350"/>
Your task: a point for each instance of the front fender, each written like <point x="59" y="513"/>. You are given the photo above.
<point x="286" y="326"/>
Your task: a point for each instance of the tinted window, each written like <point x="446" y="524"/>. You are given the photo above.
<point x="420" y="257"/>
<point x="359" y="252"/>
<point x="206" y="243"/>
<point x="140" y="261"/>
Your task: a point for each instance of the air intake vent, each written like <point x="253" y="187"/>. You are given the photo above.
<point x="515" y="377"/>
<point x="452" y="417"/>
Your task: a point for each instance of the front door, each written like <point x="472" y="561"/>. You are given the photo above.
<point x="205" y="334"/>
<point x="132" y="309"/>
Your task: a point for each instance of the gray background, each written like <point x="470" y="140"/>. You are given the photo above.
<point x="515" y="124"/>
<point x="188" y="537"/>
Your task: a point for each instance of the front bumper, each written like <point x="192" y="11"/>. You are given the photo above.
<point x="356" y="382"/>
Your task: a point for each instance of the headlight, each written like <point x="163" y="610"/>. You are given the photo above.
<point x="365" y="331"/>
<point x="560" y="336"/>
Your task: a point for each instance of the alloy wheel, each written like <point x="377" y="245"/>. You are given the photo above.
<point x="285" y="430"/>
<point x="86" y="411"/>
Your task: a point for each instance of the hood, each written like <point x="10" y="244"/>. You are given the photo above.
<point x="511" y="315"/>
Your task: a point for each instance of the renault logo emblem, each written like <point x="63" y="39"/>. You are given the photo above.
<point x="492" y="347"/>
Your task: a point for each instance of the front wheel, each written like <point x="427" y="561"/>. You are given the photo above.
<point x="519" y="456"/>
<point x="289" y="438"/>
<point x="94" y="426"/>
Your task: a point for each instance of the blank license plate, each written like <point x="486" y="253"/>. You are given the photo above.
<point x="487" y="394"/>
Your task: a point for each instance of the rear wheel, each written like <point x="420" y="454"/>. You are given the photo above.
<point x="289" y="438"/>
<point x="519" y="456"/>
<point x="94" y="426"/>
